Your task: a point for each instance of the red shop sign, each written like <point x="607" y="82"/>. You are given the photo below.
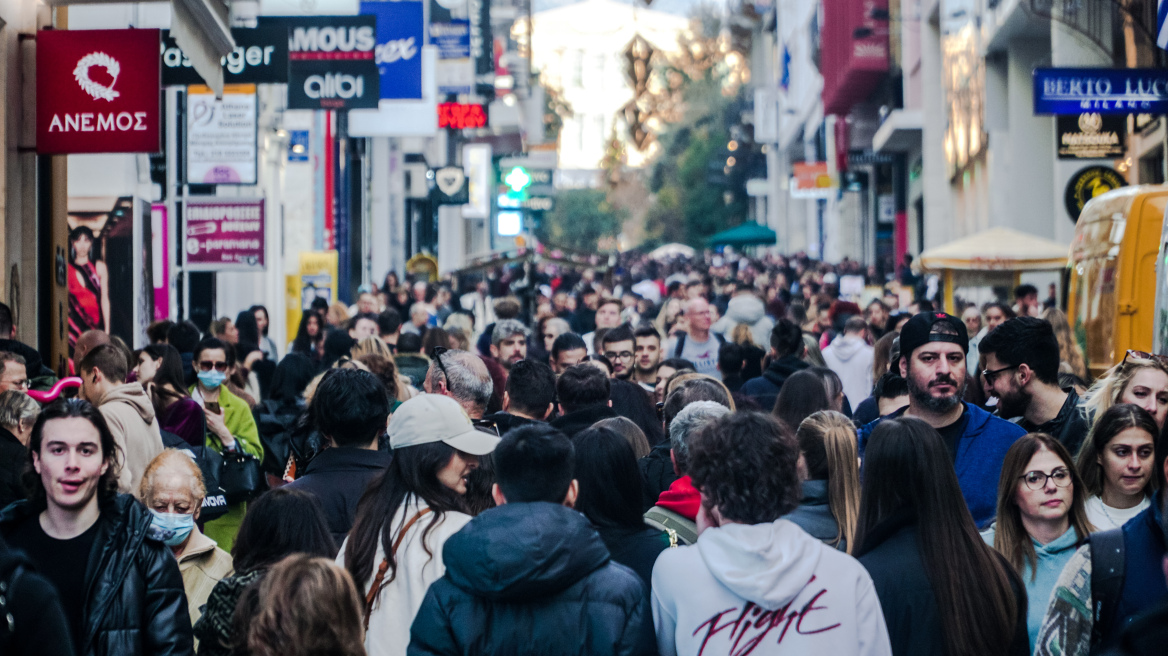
<point x="98" y="91"/>
<point x="459" y="116"/>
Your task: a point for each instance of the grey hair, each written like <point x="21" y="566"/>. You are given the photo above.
<point x="686" y="424"/>
<point x="556" y="321"/>
<point x="465" y="384"/>
<point x="17" y="407"/>
<point x="506" y="329"/>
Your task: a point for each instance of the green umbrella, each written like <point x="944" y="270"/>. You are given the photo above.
<point x="747" y="234"/>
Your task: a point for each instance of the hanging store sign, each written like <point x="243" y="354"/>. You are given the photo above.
<point x="98" y="91"/>
<point x="330" y="61"/>
<point x="224" y="234"/>
<point x="1102" y="90"/>
<point x="450" y="186"/>
<point x="460" y="116"/>
<point x="533" y="203"/>
<point x="455" y="72"/>
<point x="1089" y="183"/>
<point x="400" y="37"/>
<point x="260" y="56"/>
<point x="812" y="180"/>
<point x="1092" y="135"/>
<point x="221" y="135"/>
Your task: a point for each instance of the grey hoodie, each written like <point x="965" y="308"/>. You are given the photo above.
<point x="747" y="309"/>
<point x="130" y="415"/>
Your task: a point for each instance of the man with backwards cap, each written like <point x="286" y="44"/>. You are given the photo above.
<point x="933" y="347"/>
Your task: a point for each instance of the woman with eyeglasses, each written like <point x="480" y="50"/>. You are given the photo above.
<point x="1117" y="464"/>
<point x="1141" y="379"/>
<point x="1041" y="518"/>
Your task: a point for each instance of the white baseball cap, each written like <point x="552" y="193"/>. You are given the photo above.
<point x="428" y="418"/>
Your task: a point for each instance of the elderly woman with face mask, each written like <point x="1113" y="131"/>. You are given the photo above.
<point x="172" y="488"/>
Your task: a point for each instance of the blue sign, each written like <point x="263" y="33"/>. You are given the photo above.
<point x="452" y="39"/>
<point x="298" y="145"/>
<point x="1100" y="90"/>
<point x="400" y="36"/>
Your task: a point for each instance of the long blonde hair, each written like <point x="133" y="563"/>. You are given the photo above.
<point x="742" y="335"/>
<point x="1109" y="387"/>
<point x="1069" y="350"/>
<point x="828" y="442"/>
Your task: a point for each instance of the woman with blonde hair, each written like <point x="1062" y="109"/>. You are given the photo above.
<point x="305" y="606"/>
<point x="1140" y="379"/>
<point x="1069" y="351"/>
<point x="829" y="464"/>
<point x="812" y="355"/>
<point x="338" y="315"/>
<point x="752" y="353"/>
<point x="1041" y="520"/>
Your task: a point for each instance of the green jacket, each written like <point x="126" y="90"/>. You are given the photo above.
<point x="239" y="420"/>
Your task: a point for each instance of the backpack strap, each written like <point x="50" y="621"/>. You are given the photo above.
<point x="672" y="523"/>
<point x="680" y="344"/>
<point x="1107" y="572"/>
<point x="375" y="589"/>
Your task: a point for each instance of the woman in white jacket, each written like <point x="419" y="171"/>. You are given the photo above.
<point x="394" y="550"/>
<point x="754" y="582"/>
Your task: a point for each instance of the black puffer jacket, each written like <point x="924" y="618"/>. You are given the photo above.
<point x="136" y="602"/>
<point x="532" y="578"/>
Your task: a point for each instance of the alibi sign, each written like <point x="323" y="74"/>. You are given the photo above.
<point x="98" y="91"/>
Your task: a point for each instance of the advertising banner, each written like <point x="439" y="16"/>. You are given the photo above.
<point x="221" y="135"/>
<point x="400" y="37"/>
<point x="330" y="61"/>
<point x="260" y="56"/>
<point x="98" y="91"/>
<point x="455" y="72"/>
<point x="812" y="180"/>
<point x="1091" y="135"/>
<point x="224" y="234"/>
<point x="1102" y="90"/>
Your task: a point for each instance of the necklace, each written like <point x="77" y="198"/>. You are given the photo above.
<point x="1107" y="511"/>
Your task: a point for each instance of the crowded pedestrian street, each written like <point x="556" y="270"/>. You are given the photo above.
<point x="584" y="328"/>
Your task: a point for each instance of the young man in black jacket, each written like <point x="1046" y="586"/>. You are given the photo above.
<point x="584" y="393"/>
<point x="520" y="577"/>
<point x="120" y="588"/>
<point x="350" y="409"/>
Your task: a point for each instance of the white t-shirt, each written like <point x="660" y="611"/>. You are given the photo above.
<point x="704" y="355"/>
<point x="1105" y="518"/>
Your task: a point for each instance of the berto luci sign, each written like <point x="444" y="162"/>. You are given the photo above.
<point x="1100" y="90"/>
<point x="98" y="91"/>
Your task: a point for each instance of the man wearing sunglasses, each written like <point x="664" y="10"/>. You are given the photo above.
<point x="1022" y="362"/>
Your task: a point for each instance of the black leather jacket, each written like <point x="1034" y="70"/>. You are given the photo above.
<point x="136" y="604"/>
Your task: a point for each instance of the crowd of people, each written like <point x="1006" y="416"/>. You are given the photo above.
<point x="717" y="455"/>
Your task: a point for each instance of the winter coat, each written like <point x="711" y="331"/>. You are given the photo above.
<point x="13" y="458"/>
<point x="813" y="515"/>
<point x="750" y="310"/>
<point x="337" y="477"/>
<point x="136" y="602"/>
<point x="202" y="565"/>
<point x="1052" y="558"/>
<point x="582" y="419"/>
<point x="635" y="548"/>
<point x="765" y="389"/>
<point x="851" y="358"/>
<point x="980" y="453"/>
<point x="532" y="578"/>
<point x="765" y="589"/>
<point x="214" y="629"/>
<point x="419" y="565"/>
<point x="892" y="555"/>
<point x="37" y="626"/>
<point x="414" y="366"/>
<point x="130" y="415"/>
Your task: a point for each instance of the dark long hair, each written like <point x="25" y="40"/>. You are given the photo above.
<point x="631" y="401"/>
<point x="1112" y="422"/>
<point x="107" y="487"/>
<point x="256" y="308"/>
<point x="305" y="344"/>
<point x="249" y="330"/>
<point x="170" y="372"/>
<point x="281" y="522"/>
<point x="610" y="483"/>
<point x="292" y="376"/>
<point x="413" y="471"/>
<point x="802" y="395"/>
<point x="908" y="470"/>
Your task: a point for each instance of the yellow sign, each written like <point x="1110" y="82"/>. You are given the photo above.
<point x="423" y="263"/>
<point x="317" y="279"/>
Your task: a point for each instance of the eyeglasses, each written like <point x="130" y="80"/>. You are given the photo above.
<point x="436" y="356"/>
<point x="207" y="365"/>
<point x="1142" y="355"/>
<point x="18" y="384"/>
<point x="661" y="411"/>
<point x="623" y="355"/>
<point x="1036" y="480"/>
<point x="990" y="376"/>
<point x="486" y="426"/>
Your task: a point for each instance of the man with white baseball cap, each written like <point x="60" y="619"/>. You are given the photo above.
<point x="430" y="418"/>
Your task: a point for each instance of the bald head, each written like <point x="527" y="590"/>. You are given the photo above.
<point x="86" y="342"/>
<point x="463" y="377"/>
<point x="697" y="310"/>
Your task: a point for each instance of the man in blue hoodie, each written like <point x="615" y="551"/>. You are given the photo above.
<point x="933" y="347"/>
<point x="532" y="576"/>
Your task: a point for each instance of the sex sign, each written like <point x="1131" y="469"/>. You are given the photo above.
<point x="98" y="91"/>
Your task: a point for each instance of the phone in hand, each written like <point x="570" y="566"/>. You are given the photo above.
<point x="213" y="406"/>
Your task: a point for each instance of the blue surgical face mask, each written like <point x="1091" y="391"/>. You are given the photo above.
<point x="171" y="528"/>
<point x="212" y="379"/>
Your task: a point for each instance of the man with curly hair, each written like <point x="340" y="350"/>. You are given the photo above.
<point x="754" y="581"/>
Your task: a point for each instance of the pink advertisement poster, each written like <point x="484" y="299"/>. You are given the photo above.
<point x="224" y="234"/>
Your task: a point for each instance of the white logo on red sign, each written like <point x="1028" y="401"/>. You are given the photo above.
<point x="88" y="85"/>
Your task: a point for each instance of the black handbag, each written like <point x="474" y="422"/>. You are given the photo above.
<point x="242" y="477"/>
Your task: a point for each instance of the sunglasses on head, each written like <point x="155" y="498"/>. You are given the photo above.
<point x="436" y="356"/>
<point x="207" y="365"/>
<point x="1143" y="355"/>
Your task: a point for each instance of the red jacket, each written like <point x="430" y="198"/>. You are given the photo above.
<point x="682" y="498"/>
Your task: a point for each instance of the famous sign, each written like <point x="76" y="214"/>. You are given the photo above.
<point x="98" y="91"/>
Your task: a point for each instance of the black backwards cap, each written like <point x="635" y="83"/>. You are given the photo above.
<point x="919" y="331"/>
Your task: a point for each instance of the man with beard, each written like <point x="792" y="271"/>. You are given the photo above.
<point x="1022" y="362"/>
<point x="509" y="342"/>
<point x="647" y="357"/>
<point x="618" y="348"/>
<point x="933" y="346"/>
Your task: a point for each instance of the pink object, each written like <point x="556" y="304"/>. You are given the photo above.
<point x="52" y="394"/>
